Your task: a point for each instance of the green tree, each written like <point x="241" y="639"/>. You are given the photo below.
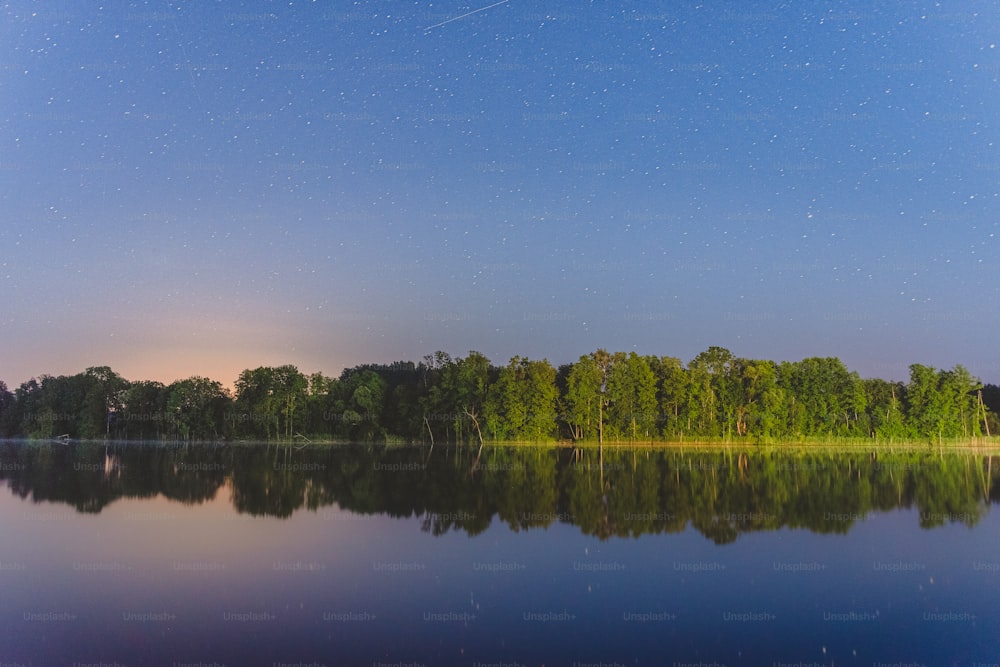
<point x="712" y="402"/>
<point x="256" y="411"/>
<point x="361" y="398"/>
<point x="402" y="413"/>
<point x="7" y="403"/>
<point x="436" y="400"/>
<point x="198" y="407"/>
<point x="989" y="408"/>
<point x="66" y="405"/>
<point x="103" y="400"/>
<point x="671" y="392"/>
<point x="884" y="409"/>
<point x="961" y="392"/>
<point x="460" y="393"/>
<point x="472" y="383"/>
<point x="631" y="388"/>
<point x="18" y="416"/>
<point x="583" y="397"/>
<point x="825" y="398"/>
<point x="587" y="397"/>
<point x="942" y="404"/>
<point x="268" y="400"/>
<point x="606" y="363"/>
<point x="289" y="393"/>
<point x="522" y="402"/>
<point x="773" y="416"/>
<point x="758" y="397"/>
<point x="144" y="413"/>
<point x="314" y="416"/>
<point x="924" y="408"/>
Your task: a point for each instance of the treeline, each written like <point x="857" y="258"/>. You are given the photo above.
<point x="601" y="397"/>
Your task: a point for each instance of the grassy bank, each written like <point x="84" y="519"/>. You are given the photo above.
<point x="983" y="445"/>
<point x="977" y="445"/>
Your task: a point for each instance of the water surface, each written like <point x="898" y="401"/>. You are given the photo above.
<point x="257" y="555"/>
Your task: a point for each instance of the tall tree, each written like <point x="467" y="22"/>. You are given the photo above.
<point x="962" y="393"/>
<point x="884" y="409"/>
<point x="942" y="404"/>
<point x="6" y="412"/>
<point x="257" y="412"/>
<point x="606" y="363"/>
<point x="436" y="399"/>
<point x="712" y="401"/>
<point x="757" y="397"/>
<point x="26" y="401"/>
<point x="583" y="397"/>
<point x="315" y="415"/>
<point x="402" y="383"/>
<point x="522" y="402"/>
<point x="471" y="378"/>
<point x="360" y="401"/>
<point x="631" y="388"/>
<point x="825" y="397"/>
<point x="289" y="393"/>
<point x="671" y="390"/>
<point x="269" y="398"/>
<point x="198" y="407"/>
<point x="103" y="401"/>
<point x="989" y="400"/>
<point x="144" y="414"/>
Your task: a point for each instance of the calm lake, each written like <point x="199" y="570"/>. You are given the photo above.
<point x="407" y="556"/>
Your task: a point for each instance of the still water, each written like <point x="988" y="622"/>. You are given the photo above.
<point x="256" y="555"/>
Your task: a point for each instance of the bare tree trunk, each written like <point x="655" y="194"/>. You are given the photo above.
<point x="475" y="422"/>
<point x="428" y="424"/>
<point x="982" y="408"/>
<point x="600" y="421"/>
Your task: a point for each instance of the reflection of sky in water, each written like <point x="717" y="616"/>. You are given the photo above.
<point x="345" y="589"/>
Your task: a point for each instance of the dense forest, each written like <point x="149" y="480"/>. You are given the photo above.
<point x="602" y="397"/>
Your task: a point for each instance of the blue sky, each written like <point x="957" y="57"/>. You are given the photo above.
<point x="199" y="188"/>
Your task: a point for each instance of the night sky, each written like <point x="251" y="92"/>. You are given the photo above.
<point x="199" y="188"/>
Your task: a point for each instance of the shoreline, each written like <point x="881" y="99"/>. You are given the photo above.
<point x="984" y="445"/>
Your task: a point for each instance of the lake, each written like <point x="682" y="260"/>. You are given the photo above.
<point x="138" y="554"/>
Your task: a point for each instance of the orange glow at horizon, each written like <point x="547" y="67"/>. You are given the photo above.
<point x="166" y="348"/>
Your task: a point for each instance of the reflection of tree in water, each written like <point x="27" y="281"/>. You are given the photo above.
<point x="614" y="492"/>
<point x="952" y="497"/>
<point x="90" y="476"/>
<point x="266" y="484"/>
